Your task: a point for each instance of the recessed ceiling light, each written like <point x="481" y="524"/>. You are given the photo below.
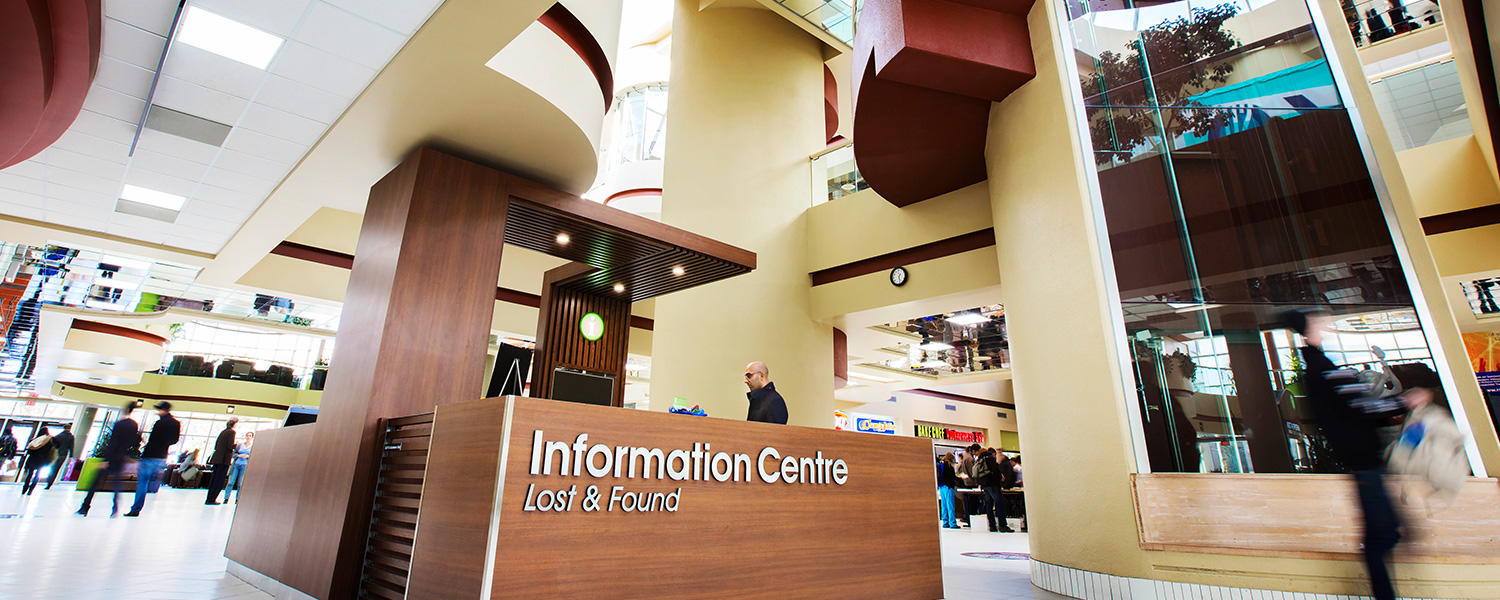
<point x="678" y="271"/>
<point x="563" y="239"/>
<point x="968" y="318"/>
<point x="228" y="38"/>
<point x="152" y="197"/>
<point x="619" y="288"/>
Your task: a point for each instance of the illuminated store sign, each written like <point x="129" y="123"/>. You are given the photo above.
<point x="942" y="432"/>
<point x="701" y="463"/>
<point x="875" y="425"/>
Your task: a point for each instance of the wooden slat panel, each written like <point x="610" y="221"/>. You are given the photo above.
<point x="391" y="547"/>
<point x="410" y="504"/>
<point x="382" y="593"/>
<point x="1308" y="516"/>
<point x="415" y="431"/>
<point x="411" y="420"/>
<point x="407" y="444"/>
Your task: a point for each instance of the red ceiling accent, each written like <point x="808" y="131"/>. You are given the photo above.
<point x="633" y="192"/>
<point x="840" y="358"/>
<point x="118" y="330"/>
<point x="49" y="51"/>
<point x="581" y="40"/>
<point x="830" y="105"/>
<point x="925" y="73"/>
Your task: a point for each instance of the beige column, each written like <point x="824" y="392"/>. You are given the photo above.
<point x="746" y="111"/>
<point x="1070" y="402"/>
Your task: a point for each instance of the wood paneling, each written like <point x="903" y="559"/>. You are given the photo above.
<point x="874" y="537"/>
<point x="1308" y="516"/>
<point x="414" y="331"/>
<point x="462" y="468"/>
<point x="559" y="343"/>
<point x="270" y="489"/>
<point x="915" y="254"/>
<point x="1459" y="220"/>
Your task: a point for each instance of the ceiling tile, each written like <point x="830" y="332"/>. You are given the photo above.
<point x="131" y="44"/>
<point x="23" y="211"/>
<point x="15" y="183"/>
<point x="96" y="147"/>
<point x="177" y="146"/>
<point x="282" y="124"/>
<point x="34" y="168"/>
<point x="98" y="167"/>
<point x="241" y="162"/>
<point x="110" y="103"/>
<point x="264" y="146"/>
<point x="19" y="198"/>
<point x="227" y="199"/>
<point x="250" y="185"/>
<point x="285" y="94"/>
<point x="199" y="101"/>
<point x="104" y="126"/>
<point x="198" y="66"/>
<point x="83" y="199"/>
<point x="123" y="77"/>
<point x="152" y="15"/>
<point x="323" y="70"/>
<point x="340" y="32"/>
<point x="161" y="182"/>
<point x="58" y="176"/>
<point x="168" y="165"/>
<point x="207" y="224"/>
<point x="405" y="16"/>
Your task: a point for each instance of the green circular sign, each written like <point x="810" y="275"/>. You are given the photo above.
<point x="591" y="326"/>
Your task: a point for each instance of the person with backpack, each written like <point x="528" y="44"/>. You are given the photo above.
<point x="38" y="455"/>
<point x="62" y="448"/>
<point x="991" y="477"/>
<point x="7" y="445"/>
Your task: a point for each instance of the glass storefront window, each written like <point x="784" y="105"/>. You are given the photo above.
<point x="1234" y="188"/>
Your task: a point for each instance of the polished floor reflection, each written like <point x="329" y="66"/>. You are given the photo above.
<point x="174" y="551"/>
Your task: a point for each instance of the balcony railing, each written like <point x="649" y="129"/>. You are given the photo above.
<point x="835" y="175"/>
<point x="1375" y="21"/>
<point x="837" y="17"/>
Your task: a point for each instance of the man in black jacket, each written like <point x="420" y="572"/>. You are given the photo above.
<point x="63" y="444"/>
<point x="992" y="476"/>
<point x="123" y="436"/>
<point x="219" y="461"/>
<point x="766" y="404"/>
<point x="1350" y="421"/>
<point x="164" y="433"/>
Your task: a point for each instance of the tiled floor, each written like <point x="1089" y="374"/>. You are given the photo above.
<point x="174" y="551"/>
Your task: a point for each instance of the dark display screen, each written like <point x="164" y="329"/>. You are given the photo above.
<point x="586" y="388"/>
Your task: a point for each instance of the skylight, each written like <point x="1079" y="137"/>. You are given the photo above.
<point x="152" y="197"/>
<point x="228" y="38"/>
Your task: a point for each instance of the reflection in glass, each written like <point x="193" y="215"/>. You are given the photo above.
<point x="1234" y="188"/>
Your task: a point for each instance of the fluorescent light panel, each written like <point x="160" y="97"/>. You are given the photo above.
<point x="228" y="38"/>
<point x="152" y="197"/>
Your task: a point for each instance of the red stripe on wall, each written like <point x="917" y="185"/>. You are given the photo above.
<point x="581" y="40"/>
<point x="915" y="254"/>
<point x="118" y="330"/>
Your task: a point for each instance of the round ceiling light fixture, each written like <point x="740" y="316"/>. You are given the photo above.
<point x="563" y="239"/>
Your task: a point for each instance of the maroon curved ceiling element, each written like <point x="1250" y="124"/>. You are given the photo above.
<point x="119" y="331"/>
<point x="840" y="358"/>
<point x="581" y="40"/>
<point x="925" y="73"/>
<point x="49" y="51"/>
<point x="633" y="192"/>
<point x="830" y="105"/>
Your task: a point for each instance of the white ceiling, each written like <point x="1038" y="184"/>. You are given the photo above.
<point x="333" y="49"/>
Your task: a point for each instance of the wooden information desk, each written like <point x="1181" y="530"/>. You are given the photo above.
<point x="526" y="498"/>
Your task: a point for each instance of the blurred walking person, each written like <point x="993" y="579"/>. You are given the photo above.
<point x="62" y="447"/>
<point x="164" y="434"/>
<point x="123" y="436"/>
<point x="219" y="461"/>
<point x="1350" y="419"/>
<point x="947" y="479"/>
<point x="38" y="455"/>
<point x="8" y="446"/>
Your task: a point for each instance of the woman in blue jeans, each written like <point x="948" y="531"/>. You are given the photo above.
<point x="237" y="468"/>
<point x="947" y="480"/>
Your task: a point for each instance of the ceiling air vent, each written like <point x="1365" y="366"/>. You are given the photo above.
<point x="181" y="124"/>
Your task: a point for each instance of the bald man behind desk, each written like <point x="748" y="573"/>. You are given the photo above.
<point x="766" y="405"/>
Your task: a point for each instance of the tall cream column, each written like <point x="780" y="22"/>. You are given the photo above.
<point x="746" y="111"/>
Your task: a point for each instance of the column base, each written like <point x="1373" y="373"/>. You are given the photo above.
<point x="1088" y="585"/>
<point x="264" y="583"/>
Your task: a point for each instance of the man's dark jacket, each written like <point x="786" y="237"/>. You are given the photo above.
<point x="164" y="433"/>
<point x="223" y="448"/>
<point x="125" y="434"/>
<point x="766" y="405"/>
<point x="1352" y="434"/>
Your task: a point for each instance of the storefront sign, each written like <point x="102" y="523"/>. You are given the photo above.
<point x="597" y="461"/>
<point x="945" y="432"/>
<point x="875" y="425"/>
<point x="840" y="421"/>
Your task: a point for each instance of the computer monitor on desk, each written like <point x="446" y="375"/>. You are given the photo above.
<point x="573" y="385"/>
